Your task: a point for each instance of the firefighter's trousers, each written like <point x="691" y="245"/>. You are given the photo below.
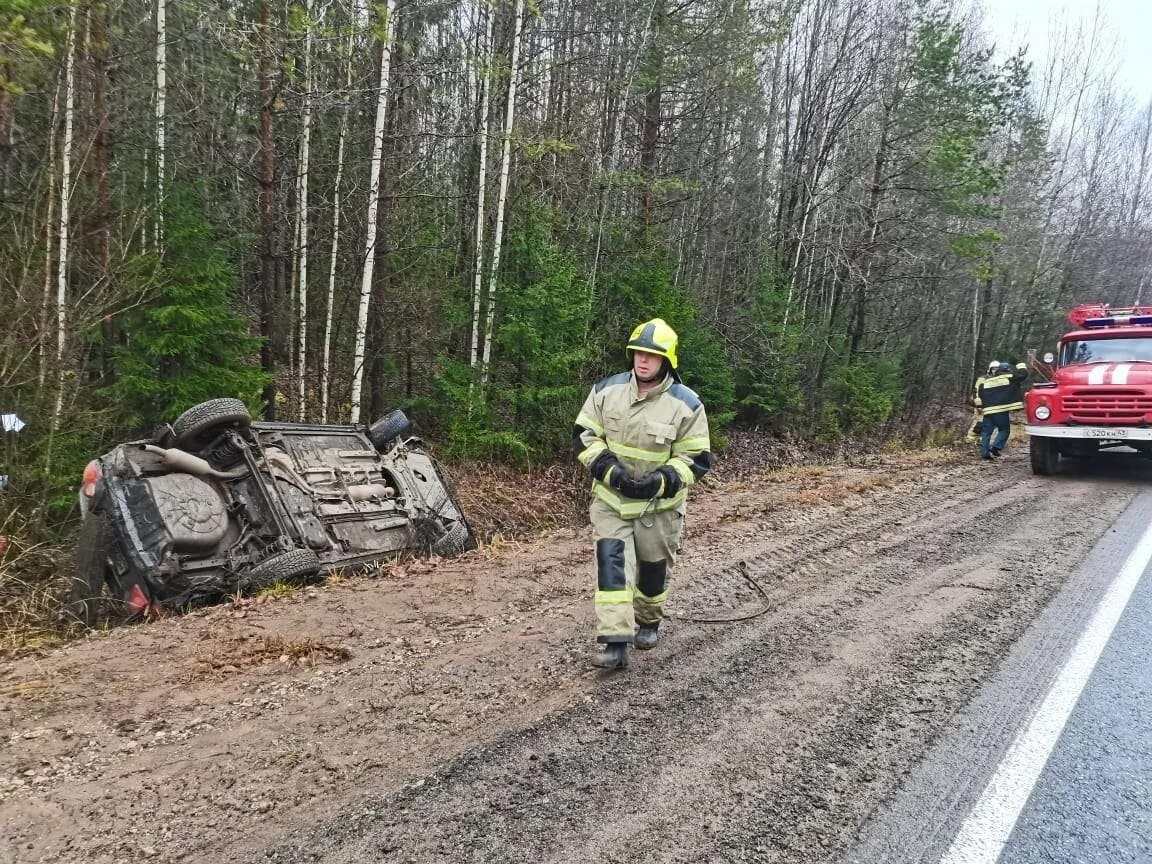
<point x="634" y="559"/>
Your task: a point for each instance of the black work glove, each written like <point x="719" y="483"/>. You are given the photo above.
<point x="664" y="482"/>
<point x="643" y="488"/>
<point x="673" y="482"/>
<point x="608" y="470"/>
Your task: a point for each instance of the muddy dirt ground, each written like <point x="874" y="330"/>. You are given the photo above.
<point x="445" y="711"/>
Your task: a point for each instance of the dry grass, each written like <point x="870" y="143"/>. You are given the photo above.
<point x="507" y="503"/>
<point x="34" y="578"/>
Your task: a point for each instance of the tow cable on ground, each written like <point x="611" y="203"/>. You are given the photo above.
<point x="743" y="565"/>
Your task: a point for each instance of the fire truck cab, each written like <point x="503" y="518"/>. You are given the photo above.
<point x="1100" y="392"/>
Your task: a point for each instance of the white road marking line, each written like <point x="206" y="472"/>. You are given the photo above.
<point x="1120" y="373"/>
<point x="985" y="832"/>
<point x="1098" y="373"/>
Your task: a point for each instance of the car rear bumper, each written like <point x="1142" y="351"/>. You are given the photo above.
<point x="1094" y="433"/>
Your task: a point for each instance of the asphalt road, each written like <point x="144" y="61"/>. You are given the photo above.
<point x="1052" y="760"/>
<point x="1094" y="799"/>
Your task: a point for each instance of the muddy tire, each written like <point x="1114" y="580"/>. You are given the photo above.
<point x="388" y="428"/>
<point x="458" y="537"/>
<point x="199" y="422"/>
<point x="1044" y="455"/>
<point x="455" y="540"/>
<point x="87" y="595"/>
<point x="295" y="565"/>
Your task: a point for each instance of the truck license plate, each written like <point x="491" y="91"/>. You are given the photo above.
<point x="1107" y="433"/>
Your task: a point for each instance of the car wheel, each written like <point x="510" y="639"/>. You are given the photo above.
<point x="87" y="596"/>
<point x="388" y="428"/>
<point x="295" y="565"/>
<point x="458" y="535"/>
<point x="199" y="422"/>
<point x="455" y="540"/>
<point x="1044" y="455"/>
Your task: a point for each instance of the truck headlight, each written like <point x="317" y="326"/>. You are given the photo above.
<point x="1043" y="412"/>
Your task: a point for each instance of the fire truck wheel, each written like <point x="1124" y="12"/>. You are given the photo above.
<point x="1045" y="455"/>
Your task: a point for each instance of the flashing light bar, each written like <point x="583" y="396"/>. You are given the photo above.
<point x="1114" y="320"/>
<point x="1103" y="315"/>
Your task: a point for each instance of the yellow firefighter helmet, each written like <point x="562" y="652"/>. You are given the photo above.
<point x="655" y="337"/>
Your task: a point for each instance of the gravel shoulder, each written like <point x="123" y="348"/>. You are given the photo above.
<point x="445" y="710"/>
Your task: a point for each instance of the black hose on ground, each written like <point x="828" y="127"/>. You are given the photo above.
<point x="751" y="580"/>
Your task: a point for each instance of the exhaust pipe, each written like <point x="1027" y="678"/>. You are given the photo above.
<point x="181" y="460"/>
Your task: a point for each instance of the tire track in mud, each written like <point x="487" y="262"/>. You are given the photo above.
<point x="768" y="740"/>
<point x="881" y="524"/>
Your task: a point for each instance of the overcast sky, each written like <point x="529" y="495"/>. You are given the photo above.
<point x="1127" y="24"/>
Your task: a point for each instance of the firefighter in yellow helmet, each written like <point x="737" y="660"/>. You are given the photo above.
<point x="643" y="436"/>
<point x="973" y="435"/>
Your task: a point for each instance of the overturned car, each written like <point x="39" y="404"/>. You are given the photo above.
<point x="216" y="504"/>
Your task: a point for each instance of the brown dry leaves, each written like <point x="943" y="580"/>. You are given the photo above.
<point x="503" y="502"/>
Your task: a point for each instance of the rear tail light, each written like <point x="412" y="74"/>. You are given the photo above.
<point x="91" y="478"/>
<point x="137" y="601"/>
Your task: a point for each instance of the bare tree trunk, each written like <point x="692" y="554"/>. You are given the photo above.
<point x="481" y="184"/>
<point x="613" y="160"/>
<point x="102" y="145"/>
<point x="161" y="109"/>
<point x="373" y="208"/>
<point x="49" y="231"/>
<point x="326" y="361"/>
<point x="7" y="126"/>
<point x="302" y="205"/>
<point x="268" y="263"/>
<point x="1144" y="139"/>
<point x="502" y="194"/>
<point x="650" y="121"/>
<point x="65" y="200"/>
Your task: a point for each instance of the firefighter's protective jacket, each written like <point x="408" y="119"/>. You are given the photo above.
<point x="996" y="394"/>
<point x="666" y="427"/>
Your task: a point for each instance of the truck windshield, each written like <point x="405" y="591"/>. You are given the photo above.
<point x="1106" y="351"/>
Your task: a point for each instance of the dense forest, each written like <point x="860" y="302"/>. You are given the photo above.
<point x="331" y="209"/>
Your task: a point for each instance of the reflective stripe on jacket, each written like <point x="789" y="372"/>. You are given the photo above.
<point x="997" y="394"/>
<point x="666" y="427"/>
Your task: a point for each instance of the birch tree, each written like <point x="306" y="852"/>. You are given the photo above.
<point x="502" y="194"/>
<point x="302" y="204"/>
<point x="49" y="230"/>
<point x="373" y="208"/>
<point x="269" y="265"/>
<point x="62" y="234"/>
<point x="481" y="184"/>
<point x="161" y="117"/>
<point x="334" y="254"/>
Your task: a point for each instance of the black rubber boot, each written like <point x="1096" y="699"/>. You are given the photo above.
<point x="647" y="636"/>
<point x="613" y="655"/>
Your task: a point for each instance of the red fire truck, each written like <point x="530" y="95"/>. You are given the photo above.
<point x="1100" y="392"/>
